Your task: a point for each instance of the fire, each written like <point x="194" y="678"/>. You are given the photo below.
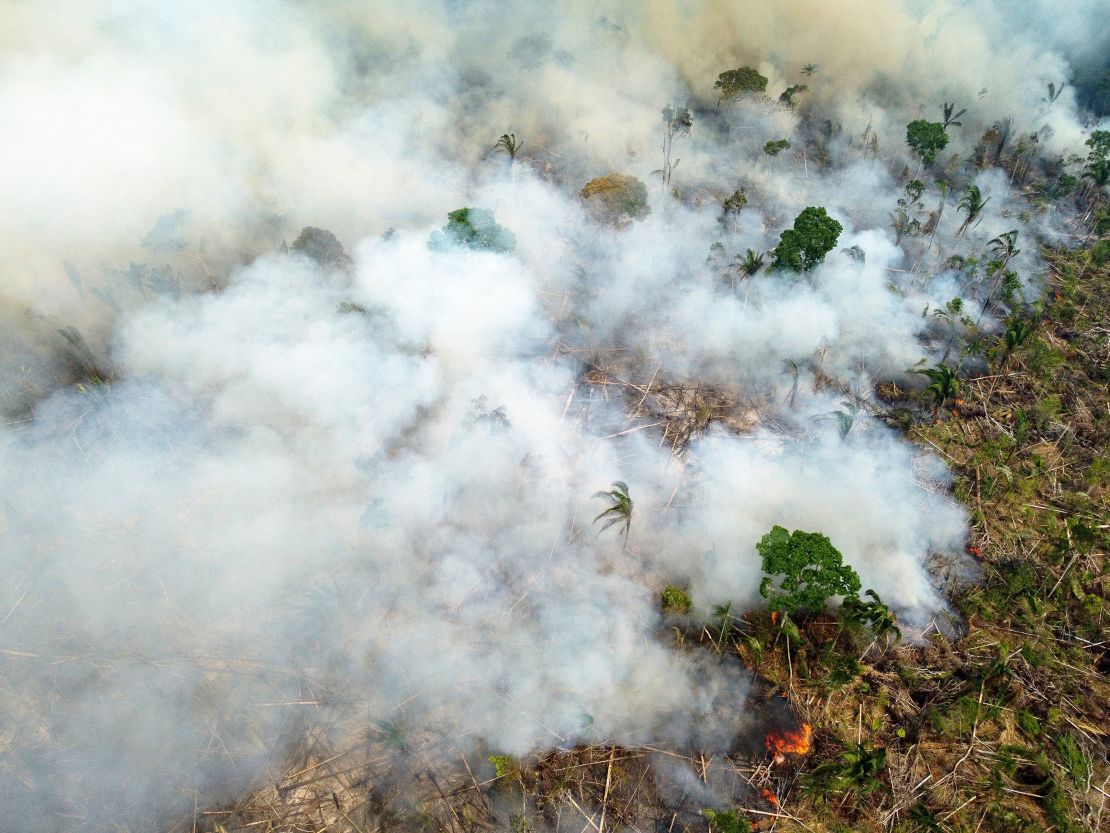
<point x="770" y="798"/>
<point x="792" y="742"/>
<point x="976" y="551"/>
<point x="774" y="617"/>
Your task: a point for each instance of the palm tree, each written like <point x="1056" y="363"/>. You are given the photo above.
<point x="620" y="509"/>
<point x="943" y="385"/>
<point x="1017" y="331"/>
<point x="873" y="615"/>
<point x="973" y="203"/>
<point x="509" y="145"/>
<point x="1098" y="172"/>
<point x="857" y="767"/>
<point x="1053" y="93"/>
<point x="845" y="419"/>
<point x="750" y="264"/>
<point x="949" y="118"/>
<point x="809" y="69"/>
<point x="1003" y="247"/>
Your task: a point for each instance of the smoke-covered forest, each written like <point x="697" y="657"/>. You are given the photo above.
<point x="469" y="415"/>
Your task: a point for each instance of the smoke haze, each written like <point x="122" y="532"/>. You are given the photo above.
<point x="359" y="494"/>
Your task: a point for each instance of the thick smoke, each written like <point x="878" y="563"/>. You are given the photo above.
<point x="358" y="495"/>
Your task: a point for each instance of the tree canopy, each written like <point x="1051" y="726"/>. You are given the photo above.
<point x="475" y="229"/>
<point x="926" y="139"/>
<point x="809" y="568"/>
<point x="321" y="246"/>
<point x="804" y="246"/>
<point x="734" y="82"/>
<point x="616" y="198"/>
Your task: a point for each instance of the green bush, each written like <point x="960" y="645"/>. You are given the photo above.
<point x="676" y="600"/>
<point x="473" y="228"/>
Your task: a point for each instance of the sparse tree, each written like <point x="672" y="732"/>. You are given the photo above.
<point x="904" y="219"/>
<point x="675" y="123"/>
<point x="809" y="69"/>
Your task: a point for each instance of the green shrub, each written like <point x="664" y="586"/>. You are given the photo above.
<point x="473" y="228"/>
<point x="811" y="570"/>
<point x="676" y="600"/>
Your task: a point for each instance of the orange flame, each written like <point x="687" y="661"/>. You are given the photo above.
<point x="770" y="798"/>
<point x="976" y="551"/>
<point x="792" y="742"/>
<point x="774" y="617"/>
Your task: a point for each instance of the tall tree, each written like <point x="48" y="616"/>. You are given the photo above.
<point x="926" y="139"/>
<point x="676" y="122"/>
<point x="804" y="246"/>
<point x="509" y="145"/>
<point x="740" y="81"/>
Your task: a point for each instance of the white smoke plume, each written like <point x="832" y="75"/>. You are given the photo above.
<point x="359" y="493"/>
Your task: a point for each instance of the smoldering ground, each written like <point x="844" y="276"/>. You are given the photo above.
<point x="251" y="493"/>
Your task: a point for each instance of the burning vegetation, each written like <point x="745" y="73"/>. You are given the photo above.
<point x="761" y="485"/>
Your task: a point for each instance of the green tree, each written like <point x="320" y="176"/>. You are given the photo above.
<point x="804" y="246"/>
<point x="788" y="94"/>
<point x="735" y="203"/>
<point x="808" y="568"/>
<point x="926" y="139"/>
<point x="736" y="82"/>
<point x="473" y="228"/>
<point x="776" y="147"/>
<point x="1099" y="143"/>
<point x="322" y="246"/>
